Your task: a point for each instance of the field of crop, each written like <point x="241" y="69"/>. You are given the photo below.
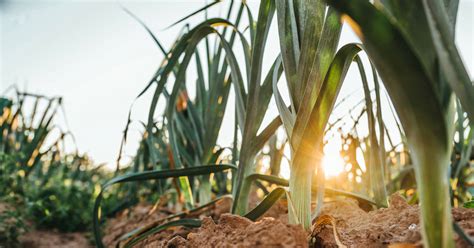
<point x="388" y="165"/>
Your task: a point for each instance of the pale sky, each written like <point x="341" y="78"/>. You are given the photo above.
<point x="98" y="58"/>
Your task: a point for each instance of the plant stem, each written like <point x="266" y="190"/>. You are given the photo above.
<point x="433" y="187"/>
<point x="241" y="190"/>
<point x="204" y="190"/>
<point x="300" y="188"/>
<point x="375" y="165"/>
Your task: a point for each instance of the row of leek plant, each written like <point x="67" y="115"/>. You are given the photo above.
<point x="192" y="127"/>
<point x="188" y="126"/>
<point x="314" y="69"/>
<point x="23" y="133"/>
<point x="191" y="131"/>
<point x="47" y="184"/>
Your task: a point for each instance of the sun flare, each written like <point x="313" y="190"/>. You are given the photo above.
<point x="332" y="162"/>
<point x="333" y="165"/>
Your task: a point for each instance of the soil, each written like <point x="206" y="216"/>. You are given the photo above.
<point x="236" y="231"/>
<point x="129" y="220"/>
<point x="219" y="229"/>
<point x="396" y="226"/>
<point x="47" y="239"/>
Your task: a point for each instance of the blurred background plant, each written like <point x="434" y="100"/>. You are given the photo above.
<point x="43" y="186"/>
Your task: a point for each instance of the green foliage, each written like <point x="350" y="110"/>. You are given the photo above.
<point x="469" y="204"/>
<point x="12" y="226"/>
<point x="10" y="179"/>
<point x="49" y="209"/>
<point x="53" y="189"/>
<point x="61" y="199"/>
<point x="62" y="204"/>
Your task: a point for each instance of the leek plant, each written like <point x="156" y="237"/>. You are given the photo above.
<point x="187" y="135"/>
<point x="412" y="45"/>
<point x="253" y="103"/>
<point x="198" y="122"/>
<point x="314" y="72"/>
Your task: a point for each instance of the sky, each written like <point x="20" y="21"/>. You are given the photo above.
<point x="98" y="59"/>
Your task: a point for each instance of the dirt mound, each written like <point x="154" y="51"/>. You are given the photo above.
<point x="236" y="231"/>
<point x="398" y="224"/>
